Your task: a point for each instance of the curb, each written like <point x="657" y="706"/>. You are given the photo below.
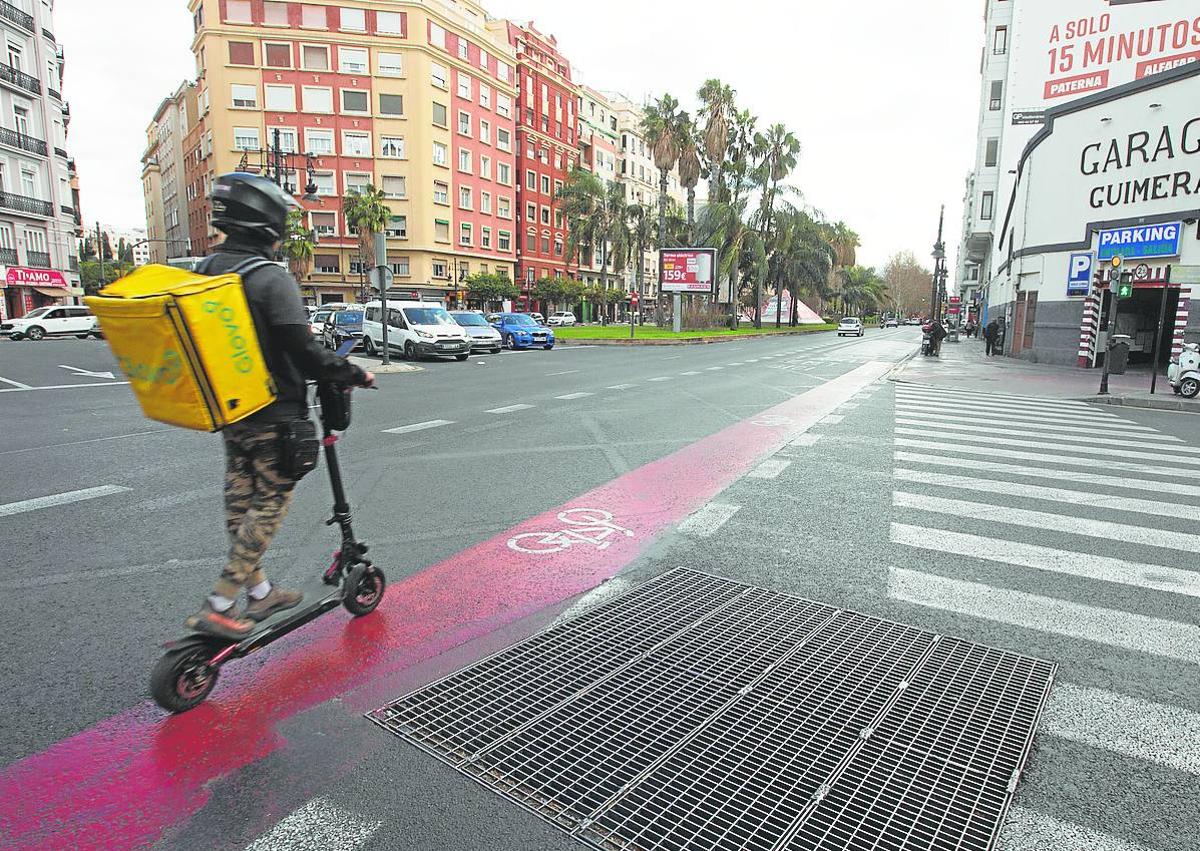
<point x="688" y="341"/>
<point x="379" y="369"/>
<point x="1165" y="404"/>
<point x="893" y="374"/>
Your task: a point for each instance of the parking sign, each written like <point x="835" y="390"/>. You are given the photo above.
<point x="1079" y="278"/>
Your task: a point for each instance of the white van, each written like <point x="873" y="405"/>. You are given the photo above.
<point x="415" y="329"/>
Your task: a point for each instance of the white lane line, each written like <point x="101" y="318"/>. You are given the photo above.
<point x="1014" y="413"/>
<point x="567" y="372"/>
<point x="1048" y="431"/>
<point x="1053" y="460"/>
<point x="1156" y="636"/>
<point x="1063" y="495"/>
<point x="620" y="386"/>
<point x="67" y="498"/>
<point x="957" y="415"/>
<point x="418" y="427"/>
<point x="318" y="824"/>
<point x="662" y="378"/>
<point x="736" y="363"/>
<point x="1028" y="830"/>
<point x="1104" y="529"/>
<point x="714" y="368"/>
<point x="970" y="395"/>
<point x="769" y="469"/>
<point x="1106" y="451"/>
<point x="508" y="409"/>
<point x="1154" y="732"/>
<point x="753" y="360"/>
<point x="15" y="384"/>
<point x="63" y="387"/>
<point x="1066" y="562"/>
<point x="705" y="522"/>
<point x="674" y="357"/>
<point x="831" y="419"/>
<point x="973" y="465"/>
<point x="693" y="372"/>
<point x="806" y="440"/>
<point x="569" y="396"/>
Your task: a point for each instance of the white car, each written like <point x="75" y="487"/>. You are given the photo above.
<point x="851" y="326"/>
<point x="561" y="318"/>
<point x="53" y="321"/>
<point x="538" y="318"/>
<point x="316" y="322"/>
<point x="415" y="329"/>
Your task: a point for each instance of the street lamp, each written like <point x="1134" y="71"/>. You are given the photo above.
<point x="939" y="270"/>
<point x="278" y="165"/>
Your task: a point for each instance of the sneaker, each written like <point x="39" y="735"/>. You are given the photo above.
<point x="276" y="601"/>
<point x="225" y="624"/>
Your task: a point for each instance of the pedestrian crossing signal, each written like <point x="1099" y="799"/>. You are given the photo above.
<point x="1125" y="290"/>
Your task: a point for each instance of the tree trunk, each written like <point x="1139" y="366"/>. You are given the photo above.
<point x="691" y="213"/>
<point x="662" y="238"/>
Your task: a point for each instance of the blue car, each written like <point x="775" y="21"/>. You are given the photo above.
<point x="521" y="331"/>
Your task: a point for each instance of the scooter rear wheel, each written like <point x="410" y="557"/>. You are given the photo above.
<point x="182" y="679"/>
<point x="363" y="590"/>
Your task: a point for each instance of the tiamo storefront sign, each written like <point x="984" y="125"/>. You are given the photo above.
<point x="20" y="276"/>
<point x="1171" y="153"/>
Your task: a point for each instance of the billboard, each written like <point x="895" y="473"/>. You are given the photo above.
<point x="687" y="270"/>
<point x="1140" y="242"/>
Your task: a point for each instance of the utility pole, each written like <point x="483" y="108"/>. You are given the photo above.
<point x="100" y="255"/>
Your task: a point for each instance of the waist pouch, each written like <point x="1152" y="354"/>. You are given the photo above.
<point x="299" y="448"/>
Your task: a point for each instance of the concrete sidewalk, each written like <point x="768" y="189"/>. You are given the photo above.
<point x="964" y="366"/>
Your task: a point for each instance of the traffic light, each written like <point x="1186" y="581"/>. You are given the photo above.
<point x="1125" y="287"/>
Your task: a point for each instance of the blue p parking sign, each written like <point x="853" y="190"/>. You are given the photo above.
<point x="1079" y="278"/>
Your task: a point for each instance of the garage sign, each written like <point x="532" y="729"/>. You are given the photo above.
<point x="1160" y="240"/>
<point x="1079" y="275"/>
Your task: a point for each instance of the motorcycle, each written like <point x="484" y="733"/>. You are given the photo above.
<point x="1184" y="371"/>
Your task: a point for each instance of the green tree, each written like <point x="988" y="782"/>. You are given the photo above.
<point x="90" y="277"/>
<point x="717" y="111"/>
<point x="299" y="245"/>
<point x="861" y="289"/>
<point x="641" y="237"/>
<point x="660" y="126"/>
<point x="595" y="212"/>
<point x="491" y="288"/>
<point x="689" y="169"/>
<point x="368" y="212"/>
<point x="776" y="153"/>
<point x="106" y="247"/>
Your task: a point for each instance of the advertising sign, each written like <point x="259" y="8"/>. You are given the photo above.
<point x="1079" y="274"/>
<point x="686" y="270"/>
<point x="22" y="277"/>
<point x="1143" y="241"/>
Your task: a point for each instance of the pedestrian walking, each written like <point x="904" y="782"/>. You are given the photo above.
<point x="990" y="334"/>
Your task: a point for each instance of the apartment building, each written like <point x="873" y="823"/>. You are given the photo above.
<point x="164" y="183"/>
<point x="416" y="99"/>
<point x="598" y="140"/>
<point x="39" y="216"/>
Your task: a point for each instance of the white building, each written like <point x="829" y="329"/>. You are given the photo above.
<point x="38" y="215"/>
<point x="1038" y="57"/>
<point x="135" y="237"/>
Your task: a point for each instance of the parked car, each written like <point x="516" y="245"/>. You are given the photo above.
<point x="851" y="326"/>
<point x="537" y="317"/>
<point x="483" y="336"/>
<point x="340" y="326"/>
<point x="522" y="331"/>
<point x="53" y="321"/>
<point x="415" y="329"/>
<point x="316" y="322"/>
<point x="561" y="318"/>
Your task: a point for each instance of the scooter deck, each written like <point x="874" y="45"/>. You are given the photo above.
<point x="277" y="625"/>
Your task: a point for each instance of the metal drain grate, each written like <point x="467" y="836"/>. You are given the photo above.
<point x="699" y="713"/>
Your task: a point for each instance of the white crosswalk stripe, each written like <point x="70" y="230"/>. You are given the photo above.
<point x="1159" y="442"/>
<point x="1058" y="447"/>
<point x="960" y="416"/>
<point x="1011" y="413"/>
<point x="970" y="396"/>
<point x="1091" y="463"/>
<point x="991" y="403"/>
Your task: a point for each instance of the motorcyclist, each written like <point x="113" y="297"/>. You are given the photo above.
<point x="252" y="213"/>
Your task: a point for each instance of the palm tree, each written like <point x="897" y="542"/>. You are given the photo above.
<point x="776" y="153"/>
<point x="640" y="237"/>
<point x="861" y="288"/>
<point x="368" y="212"/>
<point x="299" y="245"/>
<point x="689" y="168"/>
<point x="717" y="109"/>
<point x="595" y="214"/>
<point x="660" y="125"/>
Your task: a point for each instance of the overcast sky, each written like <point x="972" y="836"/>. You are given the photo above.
<point x="883" y="95"/>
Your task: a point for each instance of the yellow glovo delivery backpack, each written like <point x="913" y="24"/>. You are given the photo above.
<point x="187" y="343"/>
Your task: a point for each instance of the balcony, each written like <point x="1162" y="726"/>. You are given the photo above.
<point x="38" y="259"/>
<point x="66" y="209"/>
<point x="20" y="79"/>
<point x="49" y="35"/>
<point x="979" y="246"/>
<point x="61" y="152"/>
<point x="23" y="141"/>
<point x="8" y="256"/>
<point x="29" y="206"/>
<point x="11" y="13"/>
<point x="54" y="93"/>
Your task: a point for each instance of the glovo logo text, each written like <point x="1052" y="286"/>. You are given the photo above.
<point x="167" y="371"/>
<point x="237" y="347"/>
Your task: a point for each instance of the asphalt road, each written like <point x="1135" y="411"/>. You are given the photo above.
<point x="846" y="515"/>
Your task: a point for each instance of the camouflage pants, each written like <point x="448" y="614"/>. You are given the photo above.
<point x="257" y="498"/>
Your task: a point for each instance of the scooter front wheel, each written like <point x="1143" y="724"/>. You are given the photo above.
<point x="182" y="678"/>
<point x="364" y="589"/>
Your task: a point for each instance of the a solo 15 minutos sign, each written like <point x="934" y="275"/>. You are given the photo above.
<point x="686" y="270"/>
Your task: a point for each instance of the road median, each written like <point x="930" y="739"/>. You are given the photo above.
<point x="685" y="338"/>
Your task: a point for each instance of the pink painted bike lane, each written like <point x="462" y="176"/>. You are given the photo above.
<point x="120" y="783"/>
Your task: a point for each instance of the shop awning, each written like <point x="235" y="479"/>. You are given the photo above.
<point x="52" y="292"/>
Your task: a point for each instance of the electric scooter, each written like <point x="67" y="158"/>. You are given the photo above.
<point x="187" y="672"/>
<point x="1184" y="373"/>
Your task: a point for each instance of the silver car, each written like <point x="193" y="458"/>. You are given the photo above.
<point x="483" y="336"/>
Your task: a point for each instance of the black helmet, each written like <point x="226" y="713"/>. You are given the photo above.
<point x="251" y="206"/>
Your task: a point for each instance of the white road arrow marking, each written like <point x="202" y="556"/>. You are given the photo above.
<point x="77" y="371"/>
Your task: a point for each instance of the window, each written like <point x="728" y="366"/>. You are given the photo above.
<point x="314" y="57"/>
<point x="280" y="98"/>
<point x="544" y="156"/>
<point x="397" y="227"/>
<point x="464" y="49"/>
<point x="391" y="147"/>
<point x="237" y="12"/>
<point x="287" y="138"/>
<point x="325" y="224"/>
<point x="318" y="141"/>
<point x="391" y="104"/>
<point x="996" y="100"/>
<point x="464" y="234"/>
<point x="326" y="264"/>
<point x="545" y="185"/>
<point x="557" y="161"/>
<point x="530" y="212"/>
<point x="531" y="242"/>
<point x="485" y="238"/>
<point x="485" y="132"/>
<point x="437" y="36"/>
<point x="464" y="197"/>
<point x="503" y="139"/>
<point x="992" y="153"/>
<point x="504" y="174"/>
<point x="244" y="97"/>
<point x="441" y="233"/>
<point x="29" y="183"/>
<point x="389" y="23"/>
<point x="352" y="60"/>
<point x="464" y="86"/>
<point x="504" y="208"/>
<point x="558" y="247"/>
<point x="401" y="266"/>
<point x="545" y="245"/>
<point x="277" y="55"/>
<point x="504" y="240"/>
<point x="355" y="101"/>
<point x="464" y="161"/>
<point x="558" y="185"/>
<point x="485" y="203"/>
<point x="1000" y="41"/>
<point x="354" y="20"/>
<point x="558" y="219"/>
<point x="313" y="17"/>
<point x="440" y="269"/>
<point x="504" y="71"/>
<point x="545" y="215"/>
<point x="986" y="206"/>
<point x="35" y="240"/>
<point x="531" y="180"/>
<point x="325" y="183"/>
<point x="485" y="168"/>
<point x="241" y="53"/>
<point x="438" y="73"/>
<point x="275" y="14"/>
<point x="441" y="154"/>
<point x="503" y="105"/>
<point x="6" y="237"/>
<point x="439" y="114"/>
<point x="395" y="186"/>
<point x="356" y="144"/>
<point x="441" y="192"/>
<point x="390" y="64"/>
<point x="464" y="123"/>
<point x="245" y="138"/>
<point x="356" y="183"/>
